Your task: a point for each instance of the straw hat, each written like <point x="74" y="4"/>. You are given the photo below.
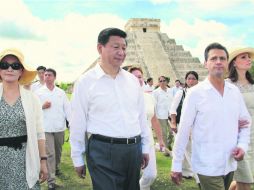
<point x="238" y="51"/>
<point x="28" y="74"/>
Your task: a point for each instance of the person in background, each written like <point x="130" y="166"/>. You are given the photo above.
<point x="211" y="112"/>
<point x="191" y="79"/>
<point x="176" y="87"/>
<point x="56" y="109"/>
<point x="22" y="140"/>
<point x="150" y="172"/>
<point x="167" y="81"/>
<point x="239" y="74"/>
<point x="108" y="104"/>
<point x="38" y="84"/>
<point x="149" y="85"/>
<point x="163" y="98"/>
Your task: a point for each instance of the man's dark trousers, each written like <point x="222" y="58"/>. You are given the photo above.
<point x="114" y="166"/>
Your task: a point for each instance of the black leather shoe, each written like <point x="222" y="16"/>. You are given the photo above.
<point x="58" y="172"/>
<point x="51" y="186"/>
<point x="187" y="177"/>
<point x="54" y="186"/>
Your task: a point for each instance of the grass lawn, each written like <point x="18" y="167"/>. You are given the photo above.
<point x="70" y="181"/>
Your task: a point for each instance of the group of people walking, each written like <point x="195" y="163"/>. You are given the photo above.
<point x="111" y="120"/>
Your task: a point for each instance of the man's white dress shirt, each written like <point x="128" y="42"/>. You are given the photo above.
<point x="35" y="86"/>
<point x="163" y="101"/>
<point x="176" y="101"/>
<point x="148" y="88"/>
<point x="176" y="89"/>
<point x="55" y="116"/>
<point x="213" y="120"/>
<point x="106" y="106"/>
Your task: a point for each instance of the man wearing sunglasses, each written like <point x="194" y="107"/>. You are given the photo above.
<point x="163" y="97"/>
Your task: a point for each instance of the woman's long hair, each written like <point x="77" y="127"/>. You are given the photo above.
<point x="233" y="75"/>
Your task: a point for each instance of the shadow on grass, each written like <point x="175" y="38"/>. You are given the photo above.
<point x="163" y="181"/>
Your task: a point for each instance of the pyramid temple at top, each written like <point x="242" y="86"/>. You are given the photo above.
<point x="156" y="53"/>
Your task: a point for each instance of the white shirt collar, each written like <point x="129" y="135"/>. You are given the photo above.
<point x="100" y="73"/>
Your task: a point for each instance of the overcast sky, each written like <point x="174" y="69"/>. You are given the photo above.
<point x="62" y="34"/>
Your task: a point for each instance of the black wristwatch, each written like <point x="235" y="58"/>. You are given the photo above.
<point x="44" y="158"/>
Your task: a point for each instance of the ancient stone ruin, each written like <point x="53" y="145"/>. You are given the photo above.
<point x="156" y="53"/>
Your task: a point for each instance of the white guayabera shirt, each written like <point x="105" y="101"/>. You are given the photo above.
<point x="213" y="120"/>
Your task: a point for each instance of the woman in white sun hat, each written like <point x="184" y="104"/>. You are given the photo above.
<point x="22" y="139"/>
<point x="240" y="62"/>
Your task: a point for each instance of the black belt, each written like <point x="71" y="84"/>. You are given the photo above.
<point x="13" y="142"/>
<point x="132" y="140"/>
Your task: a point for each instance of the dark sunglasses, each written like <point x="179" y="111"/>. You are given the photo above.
<point x="162" y="80"/>
<point x="14" y="66"/>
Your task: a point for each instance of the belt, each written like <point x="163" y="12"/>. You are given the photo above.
<point x="13" y="142"/>
<point x="132" y="140"/>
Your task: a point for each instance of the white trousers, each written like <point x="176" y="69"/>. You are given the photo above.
<point x="150" y="172"/>
<point x="186" y="170"/>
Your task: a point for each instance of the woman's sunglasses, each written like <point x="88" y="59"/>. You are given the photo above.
<point x="14" y="66"/>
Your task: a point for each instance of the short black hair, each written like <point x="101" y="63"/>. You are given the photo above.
<point x="214" y="45"/>
<point x="51" y="70"/>
<point x="149" y="79"/>
<point x="41" y="68"/>
<point x="105" y="34"/>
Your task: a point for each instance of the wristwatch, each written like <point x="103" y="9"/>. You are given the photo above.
<point x="44" y="158"/>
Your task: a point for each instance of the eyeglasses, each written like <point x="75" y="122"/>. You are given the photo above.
<point x="14" y="66"/>
<point x="191" y="78"/>
<point x="162" y="80"/>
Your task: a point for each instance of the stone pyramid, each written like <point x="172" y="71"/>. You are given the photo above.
<point x="156" y="53"/>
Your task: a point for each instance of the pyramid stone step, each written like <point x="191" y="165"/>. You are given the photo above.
<point x="189" y="65"/>
<point x="187" y="60"/>
<point x="179" y="53"/>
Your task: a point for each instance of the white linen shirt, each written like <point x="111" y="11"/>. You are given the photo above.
<point x="150" y="109"/>
<point x="36" y="86"/>
<point x="163" y="101"/>
<point x="176" y="101"/>
<point x="213" y="120"/>
<point x="54" y="117"/>
<point x="176" y="89"/>
<point x="106" y="106"/>
<point x="148" y="88"/>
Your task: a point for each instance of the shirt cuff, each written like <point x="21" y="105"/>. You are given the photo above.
<point x="176" y="166"/>
<point x="243" y="146"/>
<point x="172" y="112"/>
<point x="78" y="161"/>
<point x="145" y="149"/>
